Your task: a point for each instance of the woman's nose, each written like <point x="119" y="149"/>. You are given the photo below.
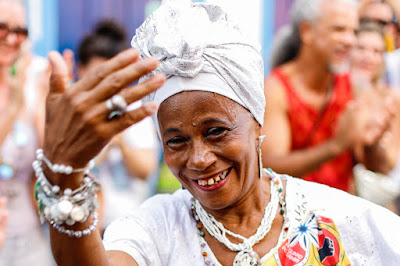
<point x="12" y="38"/>
<point x="201" y="157"/>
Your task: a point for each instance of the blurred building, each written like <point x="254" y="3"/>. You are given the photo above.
<point x="59" y="24"/>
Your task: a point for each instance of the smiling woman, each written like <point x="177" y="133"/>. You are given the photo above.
<point x="211" y="110"/>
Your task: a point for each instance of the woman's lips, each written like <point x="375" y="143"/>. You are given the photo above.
<point x="213" y="182"/>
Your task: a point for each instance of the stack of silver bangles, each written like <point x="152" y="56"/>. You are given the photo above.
<point x="69" y="206"/>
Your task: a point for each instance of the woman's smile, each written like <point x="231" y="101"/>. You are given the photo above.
<point x="210" y="146"/>
<point x="214" y="182"/>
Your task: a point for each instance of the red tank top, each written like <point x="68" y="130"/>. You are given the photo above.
<point x="311" y="127"/>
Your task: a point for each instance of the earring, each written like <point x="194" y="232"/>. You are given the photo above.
<point x="260" y="166"/>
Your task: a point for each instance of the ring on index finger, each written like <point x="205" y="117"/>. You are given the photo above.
<point x="116" y="106"/>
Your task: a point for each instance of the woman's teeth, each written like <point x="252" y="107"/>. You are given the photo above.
<point x="213" y="180"/>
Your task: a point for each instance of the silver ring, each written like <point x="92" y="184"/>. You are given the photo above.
<point x="116" y="106"/>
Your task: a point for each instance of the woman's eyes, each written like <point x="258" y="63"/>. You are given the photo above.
<point x="216" y="132"/>
<point x="176" y="141"/>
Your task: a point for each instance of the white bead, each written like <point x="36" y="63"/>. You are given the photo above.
<point x="68" y="192"/>
<point x="46" y="211"/>
<point x="46" y="189"/>
<point x="54" y="212"/>
<point x="68" y="170"/>
<point x="91" y="164"/>
<point x="62" y="169"/>
<point x="86" y="180"/>
<point x="55" y="189"/>
<point x="56" y="168"/>
<point x="77" y="197"/>
<point x="64" y="207"/>
<point x="36" y="165"/>
<point x="39" y="154"/>
<point x="77" y="214"/>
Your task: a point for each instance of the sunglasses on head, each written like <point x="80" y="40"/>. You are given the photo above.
<point x="20" y="33"/>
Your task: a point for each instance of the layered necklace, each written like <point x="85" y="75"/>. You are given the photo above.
<point x="246" y="255"/>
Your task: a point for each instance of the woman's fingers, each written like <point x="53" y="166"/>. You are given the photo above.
<point x="59" y="73"/>
<point x="137" y="92"/>
<point x="99" y="113"/>
<point x="69" y="58"/>
<point x="122" y="78"/>
<point x="77" y="121"/>
<point x="105" y="70"/>
<point x="132" y="117"/>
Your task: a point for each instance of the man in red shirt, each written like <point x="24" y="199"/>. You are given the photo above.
<point x="310" y="126"/>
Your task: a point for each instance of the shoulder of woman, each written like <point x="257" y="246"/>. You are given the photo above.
<point x="335" y="202"/>
<point x="274" y="91"/>
<point x="167" y="204"/>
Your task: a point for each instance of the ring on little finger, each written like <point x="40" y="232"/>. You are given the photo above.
<point x="116" y="106"/>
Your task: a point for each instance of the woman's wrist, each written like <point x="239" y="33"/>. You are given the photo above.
<point x="336" y="147"/>
<point x="64" y="176"/>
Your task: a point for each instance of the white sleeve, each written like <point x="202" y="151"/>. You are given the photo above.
<point x="140" y="235"/>
<point x="370" y="233"/>
<point x="130" y="236"/>
<point x="373" y="237"/>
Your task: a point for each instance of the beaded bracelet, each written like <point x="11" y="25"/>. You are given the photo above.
<point x="78" y="234"/>
<point x="60" y="168"/>
<point x="68" y="207"/>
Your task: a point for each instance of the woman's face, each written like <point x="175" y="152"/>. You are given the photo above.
<point x="209" y="144"/>
<point x="367" y="56"/>
<point x="12" y="15"/>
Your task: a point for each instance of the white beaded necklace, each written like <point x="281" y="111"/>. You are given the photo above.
<point x="217" y="229"/>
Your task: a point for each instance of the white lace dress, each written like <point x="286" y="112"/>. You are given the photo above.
<point x="164" y="232"/>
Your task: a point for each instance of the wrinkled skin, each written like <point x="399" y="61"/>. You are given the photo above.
<point x="211" y="135"/>
<point x="204" y="134"/>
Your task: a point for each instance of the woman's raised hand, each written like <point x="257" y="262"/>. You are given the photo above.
<point x="77" y="117"/>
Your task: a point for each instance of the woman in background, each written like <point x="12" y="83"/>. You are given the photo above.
<point x="25" y="243"/>
<point x="368" y="79"/>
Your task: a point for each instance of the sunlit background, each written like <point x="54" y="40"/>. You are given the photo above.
<point x="59" y="24"/>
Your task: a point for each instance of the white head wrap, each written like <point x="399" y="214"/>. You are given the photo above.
<point x="200" y="48"/>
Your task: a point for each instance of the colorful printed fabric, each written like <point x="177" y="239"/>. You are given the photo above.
<point x="315" y="242"/>
<point x="311" y="127"/>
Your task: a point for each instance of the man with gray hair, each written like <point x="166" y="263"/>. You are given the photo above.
<point x="310" y="126"/>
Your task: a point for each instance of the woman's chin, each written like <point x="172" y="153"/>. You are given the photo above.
<point x="7" y="59"/>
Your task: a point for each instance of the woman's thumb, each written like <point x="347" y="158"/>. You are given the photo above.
<point x="59" y="72"/>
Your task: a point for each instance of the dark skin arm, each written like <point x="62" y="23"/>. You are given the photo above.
<point x="276" y="146"/>
<point x="77" y="129"/>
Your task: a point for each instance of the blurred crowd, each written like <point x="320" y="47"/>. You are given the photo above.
<point x="333" y="115"/>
